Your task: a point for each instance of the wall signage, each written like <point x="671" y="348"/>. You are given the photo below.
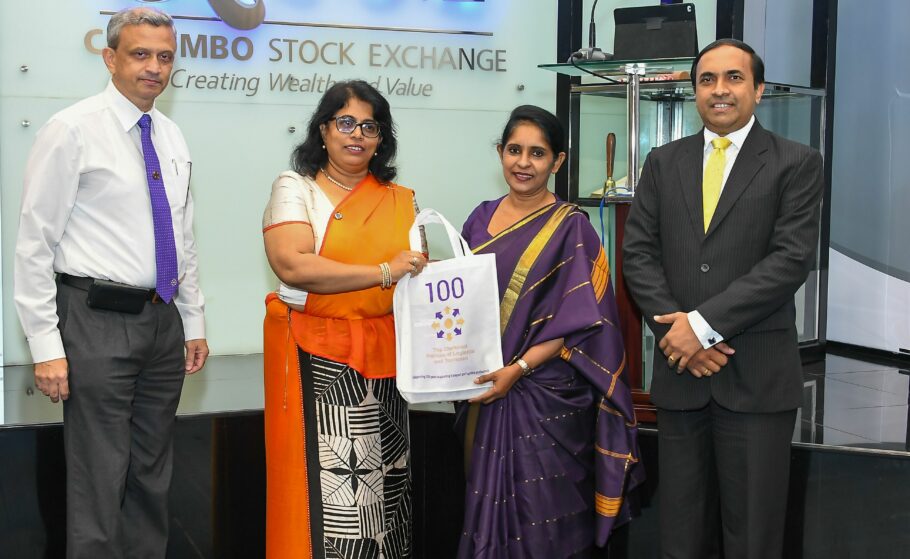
<point x="255" y="48"/>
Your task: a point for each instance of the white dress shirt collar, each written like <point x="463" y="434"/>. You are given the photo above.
<point x="737" y="138"/>
<point x="126" y="112"/>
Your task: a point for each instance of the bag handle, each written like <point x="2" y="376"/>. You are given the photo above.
<point x="426" y="216"/>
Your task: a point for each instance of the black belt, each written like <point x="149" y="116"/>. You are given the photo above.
<point x="84" y="283"/>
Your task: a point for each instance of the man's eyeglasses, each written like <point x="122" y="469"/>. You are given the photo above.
<point x="346" y="124"/>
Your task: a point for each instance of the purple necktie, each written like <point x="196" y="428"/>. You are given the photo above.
<point x="165" y="251"/>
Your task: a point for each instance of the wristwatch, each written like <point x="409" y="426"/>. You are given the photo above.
<point x="525" y="369"/>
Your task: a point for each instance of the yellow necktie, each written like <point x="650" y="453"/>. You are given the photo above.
<point x="714" y="177"/>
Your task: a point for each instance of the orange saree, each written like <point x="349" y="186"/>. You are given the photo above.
<point x="332" y="465"/>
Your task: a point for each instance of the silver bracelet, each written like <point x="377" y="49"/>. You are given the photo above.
<point x="525" y="368"/>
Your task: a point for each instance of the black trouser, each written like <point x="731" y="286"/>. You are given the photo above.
<point x="126" y="372"/>
<point x="723" y="469"/>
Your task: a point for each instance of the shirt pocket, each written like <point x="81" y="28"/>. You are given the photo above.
<point x="176" y="171"/>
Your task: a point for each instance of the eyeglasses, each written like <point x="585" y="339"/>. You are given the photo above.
<point x="346" y="124"/>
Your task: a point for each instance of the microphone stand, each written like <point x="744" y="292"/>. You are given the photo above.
<point x="591" y="52"/>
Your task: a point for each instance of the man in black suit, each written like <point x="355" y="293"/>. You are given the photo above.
<point x="722" y="233"/>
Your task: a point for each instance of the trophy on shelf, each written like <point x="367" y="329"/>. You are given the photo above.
<point x="611" y="187"/>
<point x="610" y="184"/>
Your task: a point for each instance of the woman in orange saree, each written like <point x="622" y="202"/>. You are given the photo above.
<point x="336" y="235"/>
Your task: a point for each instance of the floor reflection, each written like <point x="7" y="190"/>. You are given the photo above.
<point x="855" y="403"/>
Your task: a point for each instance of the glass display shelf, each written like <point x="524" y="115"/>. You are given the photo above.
<point x="620" y="68"/>
<point x="681" y="90"/>
<point x="662" y="79"/>
<point x="667" y="112"/>
<point x="592" y="201"/>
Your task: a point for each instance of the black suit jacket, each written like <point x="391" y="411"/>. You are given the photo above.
<point x="741" y="275"/>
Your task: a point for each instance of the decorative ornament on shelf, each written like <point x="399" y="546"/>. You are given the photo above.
<point x="612" y="187"/>
<point x="610" y="184"/>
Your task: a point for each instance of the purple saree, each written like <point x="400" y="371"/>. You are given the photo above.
<point x="548" y="466"/>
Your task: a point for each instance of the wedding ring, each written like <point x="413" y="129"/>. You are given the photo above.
<point x="414" y="261"/>
<point x="671" y="359"/>
<point x="707" y="373"/>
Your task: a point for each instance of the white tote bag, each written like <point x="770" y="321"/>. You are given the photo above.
<point x="446" y="322"/>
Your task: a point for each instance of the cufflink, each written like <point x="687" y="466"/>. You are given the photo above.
<point x="712" y="341"/>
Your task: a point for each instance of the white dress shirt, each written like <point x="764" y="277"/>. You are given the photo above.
<point x="86" y="212"/>
<point x="706" y="335"/>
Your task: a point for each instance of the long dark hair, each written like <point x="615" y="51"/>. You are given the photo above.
<point x="543" y="119"/>
<point x="308" y="157"/>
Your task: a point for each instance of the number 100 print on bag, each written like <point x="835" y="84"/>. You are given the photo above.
<point x="449" y="321"/>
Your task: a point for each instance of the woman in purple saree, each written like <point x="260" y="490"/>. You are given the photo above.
<point x="551" y="449"/>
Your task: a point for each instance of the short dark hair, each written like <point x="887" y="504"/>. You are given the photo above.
<point x="309" y="156"/>
<point x="545" y="120"/>
<point x="758" y="66"/>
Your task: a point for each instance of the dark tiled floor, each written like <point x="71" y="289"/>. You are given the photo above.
<point x="842" y="505"/>
<point x="847" y="501"/>
<point x="850" y="469"/>
<point x="848" y="402"/>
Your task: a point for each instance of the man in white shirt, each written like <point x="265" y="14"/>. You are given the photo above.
<point x="107" y="290"/>
<point x="722" y="233"/>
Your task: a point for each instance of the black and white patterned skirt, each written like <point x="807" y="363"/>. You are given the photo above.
<point x="357" y="455"/>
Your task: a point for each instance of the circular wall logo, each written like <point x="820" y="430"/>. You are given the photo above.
<point x="240" y="14"/>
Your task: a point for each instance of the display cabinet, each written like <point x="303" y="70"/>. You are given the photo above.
<point x="647" y="103"/>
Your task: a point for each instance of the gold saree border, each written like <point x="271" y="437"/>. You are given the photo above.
<point x="469" y="432"/>
<point x="600" y="274"/>
<point x="526" y="262"/>
<point x="517" y="225"/>
<point x="607" y="506"/>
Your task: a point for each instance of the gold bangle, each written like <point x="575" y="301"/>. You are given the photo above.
<point x="386" y="276"/>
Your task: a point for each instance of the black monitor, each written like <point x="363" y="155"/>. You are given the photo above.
<point x="666" y="31"/>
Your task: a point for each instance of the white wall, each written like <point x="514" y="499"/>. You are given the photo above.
<point x="869" y="274"/>
<point x="780" y="31"/>
<point x="240" y="143"/>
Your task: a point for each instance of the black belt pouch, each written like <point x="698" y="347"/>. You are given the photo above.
<point x="113" y="296"/>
